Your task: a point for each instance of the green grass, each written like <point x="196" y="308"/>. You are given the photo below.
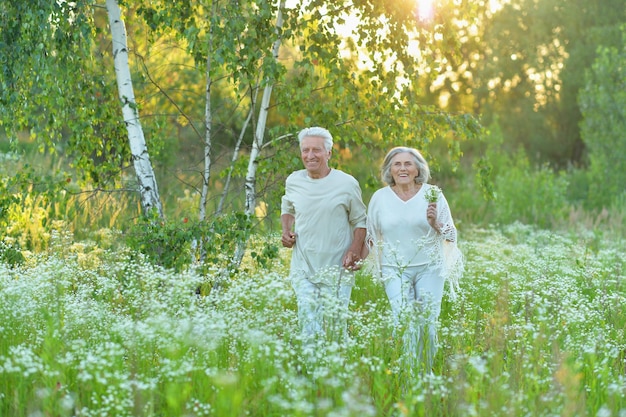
<point x="538" y="330"/>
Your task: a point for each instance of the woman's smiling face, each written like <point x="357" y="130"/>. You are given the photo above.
<point x="403" y="169"/>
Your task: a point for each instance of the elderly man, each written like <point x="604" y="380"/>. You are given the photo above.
<point x="323" y="219"/>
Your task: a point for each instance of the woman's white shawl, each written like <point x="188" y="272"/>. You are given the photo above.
<point x="411" y="233"/>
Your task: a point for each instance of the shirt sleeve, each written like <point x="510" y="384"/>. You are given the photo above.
<point x="358" y="211"/>
<point x="448" y="229"/>
<point x="372" y="219"/>
<point x="286" y="204"/>
<point x="452" y="260"/>
<point x="372" y="239"/>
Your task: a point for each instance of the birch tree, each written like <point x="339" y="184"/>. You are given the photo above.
<point x="259" y="134"/>
<point x="208" y="119"/>
<point x="148" y="190"/>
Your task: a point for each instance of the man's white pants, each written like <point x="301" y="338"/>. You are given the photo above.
<point x="323" y="306"/>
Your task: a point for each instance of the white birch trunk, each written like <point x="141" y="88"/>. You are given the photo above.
<point x="259" y="135"/>
<point x="148" y="189"/>
<point x="197" y="246"/>
<point x="250" y="183"/>
<point x="208" y="123"/>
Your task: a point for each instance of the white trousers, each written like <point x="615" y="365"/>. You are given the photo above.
<point x="415" y="295"/>
<point x="323" y="306"/>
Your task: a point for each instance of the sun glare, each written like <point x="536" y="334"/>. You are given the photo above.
<point x="425" y="10"/>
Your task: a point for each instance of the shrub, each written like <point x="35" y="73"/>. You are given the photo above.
<point x="11" y="254"/>
<point x="530" y="195"/>
<point x="603" y="106"/>
<point x="213" y="244"/>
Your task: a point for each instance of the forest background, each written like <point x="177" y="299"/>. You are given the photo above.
<point x="144" y="147"/>
<point x="519" y="106"/>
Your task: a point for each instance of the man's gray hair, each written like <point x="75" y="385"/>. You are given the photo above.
<point x="319" y="132"/>
<point x="422" y="166"/>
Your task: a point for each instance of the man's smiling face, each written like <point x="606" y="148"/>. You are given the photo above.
<point x="314" y="156"/>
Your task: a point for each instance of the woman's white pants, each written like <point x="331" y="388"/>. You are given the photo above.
<point x="415" y="295"/>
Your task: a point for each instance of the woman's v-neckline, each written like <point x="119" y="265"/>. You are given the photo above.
<point x="400" y="198"/>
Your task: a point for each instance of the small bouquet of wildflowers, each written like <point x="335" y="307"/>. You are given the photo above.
<point x="432" y="195"/>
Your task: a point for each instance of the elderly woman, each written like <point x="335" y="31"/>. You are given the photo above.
<point x="412" y="238"/>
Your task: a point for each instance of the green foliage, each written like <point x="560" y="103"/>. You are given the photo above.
<point x="535" y="196"/>
<point x="211" y="246"/>
<point x="28" y="206"/>
<point x="603" y="104"/>
<point x="66" y="101"/>
<point x="509" y="188"/>
<point x="57" y="72"/>
<point x="10" y="254"/>
<point x="488" y="163"/>
<point x="264" y="255"/>
<point x="484" y="176"/>
<point x="523" y="61"/>
<point x="7" y="199"/>
<point x="164" y="243"/>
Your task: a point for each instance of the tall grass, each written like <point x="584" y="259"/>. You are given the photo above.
<point x="538" y="330"/>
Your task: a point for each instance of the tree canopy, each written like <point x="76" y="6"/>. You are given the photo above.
<point x="361" y="83"/>
<point x="523" y="64"/>
<point x="372" y="71"/>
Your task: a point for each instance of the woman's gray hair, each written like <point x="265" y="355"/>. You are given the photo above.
<point x="319" y="132"/>
<point x="422" y="166"/>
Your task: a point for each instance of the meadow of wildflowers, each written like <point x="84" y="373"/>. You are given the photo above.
<point x="538" y="329"/>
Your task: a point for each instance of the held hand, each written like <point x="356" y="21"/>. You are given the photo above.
<point x="352" y="261"/>
<point x="288" y="239"/>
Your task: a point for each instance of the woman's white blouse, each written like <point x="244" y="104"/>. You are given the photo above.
<point x="399" y="234"/>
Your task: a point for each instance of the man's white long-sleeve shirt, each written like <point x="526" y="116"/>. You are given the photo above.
<point x="326" y="212"/>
